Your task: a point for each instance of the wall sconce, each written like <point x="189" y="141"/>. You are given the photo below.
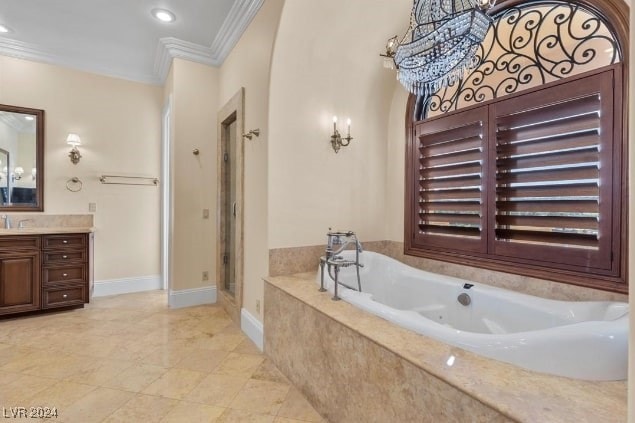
<point x="336" y="139"/>
<point x="18" y="172"/>
<point x="74" y="140"/>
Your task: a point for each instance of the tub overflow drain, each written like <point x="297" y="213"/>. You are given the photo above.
<point x="464" y="299"/>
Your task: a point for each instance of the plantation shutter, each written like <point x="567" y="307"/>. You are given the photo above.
<point x="553" y="164"/>
<point x="450" y="173"/>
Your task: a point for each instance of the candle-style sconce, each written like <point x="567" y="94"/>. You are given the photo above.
<point x="337" y="141"/>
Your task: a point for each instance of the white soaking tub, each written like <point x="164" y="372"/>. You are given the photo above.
<point x="583" y="340"/>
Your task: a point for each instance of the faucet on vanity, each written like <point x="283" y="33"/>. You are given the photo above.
<point x="336" y="243"/>
<point x="21" y="223"/>
<point x="9" y="225"/>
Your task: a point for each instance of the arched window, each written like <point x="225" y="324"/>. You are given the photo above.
<point x="520" y="165"/>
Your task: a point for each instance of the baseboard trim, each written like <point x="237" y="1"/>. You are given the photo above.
<point x="192" y="297"/>
<point x="252" y="327"/>
<point x="126" y="285"/>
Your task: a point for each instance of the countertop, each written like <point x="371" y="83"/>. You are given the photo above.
<point x="47" y="224"/>
<point x="46" y="230"/>
<point x="522" y="395"/>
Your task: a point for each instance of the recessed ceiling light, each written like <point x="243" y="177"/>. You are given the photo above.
<point x="4" y="29"/>
<point x="163" y="15"/>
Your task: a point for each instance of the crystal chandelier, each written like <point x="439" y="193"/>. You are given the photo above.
<point x="440" y="44"/>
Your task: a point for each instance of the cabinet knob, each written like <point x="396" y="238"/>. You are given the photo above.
<point x="65" y="274"/>
<point x="65" y="296"/>
<point x="65" y="241"/>
<point x="64" y="257"/>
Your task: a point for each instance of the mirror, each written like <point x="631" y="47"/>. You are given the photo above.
<point x="21" y="159"/>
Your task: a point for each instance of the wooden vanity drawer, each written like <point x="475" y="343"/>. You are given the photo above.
<point x="64" y="256"/>
<point x="19" y="242"/>
<point x="64" y="241"/>
<point x="57" y="275"/>
<point x="63" y="296"/>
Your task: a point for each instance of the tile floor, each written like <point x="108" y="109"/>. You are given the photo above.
<point x="128" y="358"/>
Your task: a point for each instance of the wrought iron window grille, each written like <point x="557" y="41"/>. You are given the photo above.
<point x="528" y="45"/>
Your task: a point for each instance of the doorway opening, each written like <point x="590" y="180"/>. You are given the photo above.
<point x="229" y="273"/>
<point x="166" y="198"/>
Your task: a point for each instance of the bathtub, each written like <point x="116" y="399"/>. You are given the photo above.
<point x="581" y="340"/>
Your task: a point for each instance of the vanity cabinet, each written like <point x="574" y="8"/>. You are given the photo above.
<point x="64" y="270"/>
<point x="19" y="274"/>
<point x="43" y="272"/>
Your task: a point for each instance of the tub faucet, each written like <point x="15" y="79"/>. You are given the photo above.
<point x="336" y="243"/>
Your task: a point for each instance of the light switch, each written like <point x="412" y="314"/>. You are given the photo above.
<point x="92" y="207"/>
<point x="205" y="213"/>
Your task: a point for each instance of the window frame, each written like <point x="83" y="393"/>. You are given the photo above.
<point x="614" y="280"/>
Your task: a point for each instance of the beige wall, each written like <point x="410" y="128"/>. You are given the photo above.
<point x="326" y="62"/>
<point x="119" y="123"/>
<point x="194" y="89"/>
<point x="395" y="155"/>
<point x="248" y="66"/>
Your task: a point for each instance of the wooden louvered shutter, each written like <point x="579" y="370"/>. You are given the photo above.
<point x="448" y="196"/>
<point x="552" y="154"/>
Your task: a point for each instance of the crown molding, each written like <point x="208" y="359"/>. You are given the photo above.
<point x="240" y="16"/>
<point x="170" y="48"/>
<point x="162" y="61"/>
<point x="22" y="50"/>
<point x="237" y="21"/>
<point x="28" y="51"/>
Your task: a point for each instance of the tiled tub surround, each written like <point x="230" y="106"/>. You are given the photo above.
<point x="289" y="261"/>
<point x="47" y="223"/>
<point x="354" y="366"/>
